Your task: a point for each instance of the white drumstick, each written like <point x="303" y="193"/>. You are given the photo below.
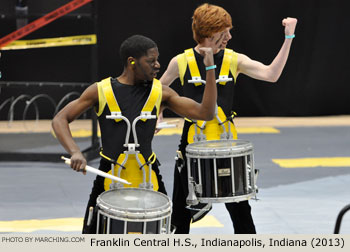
<point x="164" y="125"/>
<point x="172" y="121"/>
<point x="98" y="172"/>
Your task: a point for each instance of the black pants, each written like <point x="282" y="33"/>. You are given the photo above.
<point x="240" y="212"/>
<point x="98" y="188"/>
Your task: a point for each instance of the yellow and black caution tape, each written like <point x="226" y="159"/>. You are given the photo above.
<point x="89" y="39"/>
<point x="40" y="22"/>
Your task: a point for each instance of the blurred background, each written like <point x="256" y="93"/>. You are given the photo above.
<point x="304" y="115"/>
<point x="313" y="83"/>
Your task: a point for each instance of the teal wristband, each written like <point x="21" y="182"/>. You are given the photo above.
<point x="290" y="36"/>
<point x="210" y="67"/>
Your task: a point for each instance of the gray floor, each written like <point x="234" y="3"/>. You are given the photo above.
<point x="291" y="201"/>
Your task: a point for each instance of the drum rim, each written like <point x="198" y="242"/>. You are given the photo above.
<point x="227" y="199"/>
<point x="135" y="213"/>
<point x="130" y="218"/>
<point x="239" y="150"/>
<point x="212" y="155"/>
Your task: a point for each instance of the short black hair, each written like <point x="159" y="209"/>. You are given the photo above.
<point x="135" y="46"/>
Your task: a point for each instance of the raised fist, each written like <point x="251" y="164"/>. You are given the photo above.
<point x="289" y="24"/>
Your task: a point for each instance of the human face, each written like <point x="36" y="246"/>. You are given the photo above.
<point x="219" y="40"/>
<point x="147" y="66"/>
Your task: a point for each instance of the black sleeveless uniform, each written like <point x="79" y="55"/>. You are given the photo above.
<point x="240" y="212"/>
<point x="131" y="99"/>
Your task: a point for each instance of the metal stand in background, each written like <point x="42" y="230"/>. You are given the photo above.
<point x="340" y="217"/>
<point x="93" y="151"/>
<point x="90" y="152"/>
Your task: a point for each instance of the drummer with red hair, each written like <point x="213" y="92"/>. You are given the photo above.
<point x="211" y="27"/>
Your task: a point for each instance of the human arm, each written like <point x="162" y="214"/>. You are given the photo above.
<point x="60" y="125"/>
<point x="189" y="108"/>
<point x="272" y="72"/>
<point x="171" y="73"/>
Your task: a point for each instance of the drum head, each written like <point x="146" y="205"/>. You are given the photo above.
<point x="219" y="148"/>
<point x="134" y="203"/>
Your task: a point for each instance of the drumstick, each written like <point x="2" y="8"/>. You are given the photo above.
<point x="98" y="172"/>
<point x="91" y="210"/>
<point x="165" y="125"/>
<point x="172" y="121"/>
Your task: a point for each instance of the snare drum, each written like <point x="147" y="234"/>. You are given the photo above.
<point x="133" y="211"/>
<point x="221" y="171"/>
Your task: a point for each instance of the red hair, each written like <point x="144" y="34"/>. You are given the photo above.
<point x="209" y="19"/>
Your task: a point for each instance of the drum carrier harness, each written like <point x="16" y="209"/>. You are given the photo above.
<point x="131" y="161"/>
<point x="221" y="127"/>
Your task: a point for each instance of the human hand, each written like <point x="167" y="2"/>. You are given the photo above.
<point x="207" y="53"/>
<point x="78" y="162"/>
<point x="289" y="24"/>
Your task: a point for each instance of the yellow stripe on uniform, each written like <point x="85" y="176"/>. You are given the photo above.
<point x="89" y="39"/>
<point x="207" y="221"/>
<point x="313" y="162"/>
<point x="226" y="63"/>
<point x="109" y="95"/>
<point x="182" y="65"/>
<point x="154" y="98"/>
<point x="192" y="64"/>
<point x="27" y="226"/>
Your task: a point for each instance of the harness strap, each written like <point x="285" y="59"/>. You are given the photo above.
<point x="225" y="66"/>
<point x="154" y="98"/>
<point x="111" y="160"/>
<point x="150" y="160"/>
<point x="192" y="64"/>
<point x="107" y="158"/>
<point x="101" y="100"/>
<point x="233" y="65"/>
<point x="182" y="65"/>
<point x="228" y="118"/>
<point x="132" y="172"/>
<point x="229" y="63"/>
<point x="221" y="127"/>
<point x="189" y="120"/>
<point x="110" y="98"/>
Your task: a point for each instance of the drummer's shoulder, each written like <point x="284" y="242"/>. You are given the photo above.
<point x="92" y="90"/>
<point x="171" y="73"/>
<point x="90" y="95"/>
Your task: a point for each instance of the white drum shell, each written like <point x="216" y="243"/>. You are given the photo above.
<point x="222" y="149"/>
